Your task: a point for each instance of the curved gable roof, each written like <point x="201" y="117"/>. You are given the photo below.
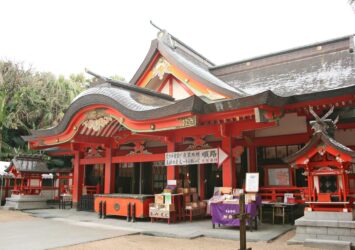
<point x="187" y="60"/>
<point x="317" y="139"/>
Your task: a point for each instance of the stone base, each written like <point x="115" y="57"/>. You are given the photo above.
<point x="328" y="244"/>
<point x="317" y="228"/>
<point x="336" y="216"/>
<point x="19" y="202"/>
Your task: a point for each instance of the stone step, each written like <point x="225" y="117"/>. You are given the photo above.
<point x="328" y="244"/>
<point x="337" y="216"/>
<point x="341" y="231"/>
<point x="324" y="223"/>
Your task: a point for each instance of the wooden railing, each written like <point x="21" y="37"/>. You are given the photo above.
<point x="92" y="189"/>
<point x="277" y="193"/>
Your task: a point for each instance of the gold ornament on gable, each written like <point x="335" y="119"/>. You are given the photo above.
<point x="161" y="68"/>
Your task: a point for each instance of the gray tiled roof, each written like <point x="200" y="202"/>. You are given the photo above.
<point x="309" y="69"/>
<point x="34" y="164"/>
<point x="129" y="99"/>
<point x="310" y="75"/>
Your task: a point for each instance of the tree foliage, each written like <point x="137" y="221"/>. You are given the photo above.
<point x="32" y="100"/>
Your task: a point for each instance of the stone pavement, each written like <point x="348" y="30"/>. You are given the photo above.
<point x="198" y="228"/>
<point x="45" y="234"/>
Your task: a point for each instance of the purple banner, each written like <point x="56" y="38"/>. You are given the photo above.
<point x="223" y="213"/>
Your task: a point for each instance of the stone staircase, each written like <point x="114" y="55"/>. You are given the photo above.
<point x="325" y="230"/>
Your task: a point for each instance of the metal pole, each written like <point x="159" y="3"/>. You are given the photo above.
<point x="242" y="231"/>
<point x="242" y="227"/>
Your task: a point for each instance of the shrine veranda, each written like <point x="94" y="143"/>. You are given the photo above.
<point x="256" y="113"/>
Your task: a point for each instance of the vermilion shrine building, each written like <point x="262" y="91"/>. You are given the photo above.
<point x="256" y="111"/>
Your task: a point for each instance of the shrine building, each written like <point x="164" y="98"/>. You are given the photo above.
<point x="251" y="116"/>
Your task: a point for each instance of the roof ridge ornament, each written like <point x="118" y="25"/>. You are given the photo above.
<point x="323" y="124"/>
<point x="164" y="36"/>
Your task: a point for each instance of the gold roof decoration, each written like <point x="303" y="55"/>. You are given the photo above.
<point x="96" y="120"/>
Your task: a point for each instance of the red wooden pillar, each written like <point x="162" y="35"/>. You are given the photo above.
<point x="172" y="171"/>
<point x="252" y="158"/>
<point x="77" y="177"/>
<point x="310" y="184"/>
<point x="344" y="194"/>
<point x="228" y="167"/>
<point x="346" y="185"/>
<point x="21" y="187"/>
<point x="201" y="168"/>
<point x="109" y="171"/>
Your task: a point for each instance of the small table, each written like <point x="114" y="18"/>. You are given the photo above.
<point x="288" y="206"/>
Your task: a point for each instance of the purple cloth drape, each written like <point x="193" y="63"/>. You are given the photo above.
<point x="222" y="213"/>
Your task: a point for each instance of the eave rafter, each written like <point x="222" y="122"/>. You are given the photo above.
<point x="98" y="113"/>
<point x="302" y="108"/>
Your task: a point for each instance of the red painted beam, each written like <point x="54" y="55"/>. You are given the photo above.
<point x="277" y="140"/>
<point x="90" y="161"/>
<point x="60" y="153"/>
<point x="162" y="85"/>
<point x="185" y="87"/>
<point x="171" y="90"/>
<point x="84" y="139"/>
<point x="138" y="158"/>
<point x="346" y="125"/>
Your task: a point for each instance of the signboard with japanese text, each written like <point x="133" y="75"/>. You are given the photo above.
<point x="205" y="156"/>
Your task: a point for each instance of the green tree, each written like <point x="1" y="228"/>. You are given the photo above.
<point x="2" y="117"/>
<point x="32" y="100"/>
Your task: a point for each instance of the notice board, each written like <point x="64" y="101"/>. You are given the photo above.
<point x="252" y="182"/>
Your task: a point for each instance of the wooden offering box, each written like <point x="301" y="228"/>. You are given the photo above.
<point x="116" y="204"/>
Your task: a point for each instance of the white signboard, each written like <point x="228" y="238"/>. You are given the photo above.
<point x="214" y="155"/>
<point x="252" y="182"/>
<point x="171" y="182"/>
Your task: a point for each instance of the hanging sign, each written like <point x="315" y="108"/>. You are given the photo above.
<point x="214" y="155"/>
